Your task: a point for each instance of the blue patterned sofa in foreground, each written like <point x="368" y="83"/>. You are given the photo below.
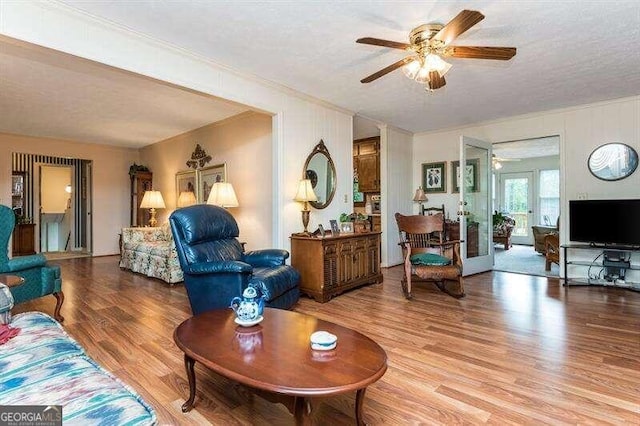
<point x="42" y="365"/>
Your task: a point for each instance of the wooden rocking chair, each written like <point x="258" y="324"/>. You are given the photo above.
<point x="427" y="256"/>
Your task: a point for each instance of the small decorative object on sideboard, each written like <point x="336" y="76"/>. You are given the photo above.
<point x="354" y="222"/>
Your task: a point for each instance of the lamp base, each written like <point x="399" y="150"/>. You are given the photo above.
<point x="152" y="220"/>
<point x="305" y="220"/>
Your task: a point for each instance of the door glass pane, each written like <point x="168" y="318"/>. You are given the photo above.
<point x="516" y="192"/>
<point x="477" y="187"/>
<point x="549" y="193"/>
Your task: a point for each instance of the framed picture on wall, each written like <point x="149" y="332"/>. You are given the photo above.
<point x="434" y="177"/>
<point x="207" y="176"/>
<point x="185" y="182"/>
<point x="471" y="176"/>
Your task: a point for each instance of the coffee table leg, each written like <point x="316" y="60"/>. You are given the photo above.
<point x="359" y="404"/>
<point x="302" y="411"/>
<point x="191" y="375"/>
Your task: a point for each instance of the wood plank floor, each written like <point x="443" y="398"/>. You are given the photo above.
<point x="516" y="350"/>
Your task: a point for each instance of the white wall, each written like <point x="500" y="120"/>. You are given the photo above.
<point x="364" y="128"/>
<point x="299" y="122"/>
<point x="395" y="155"/>
<point x="581" y="130"/>
<point x="54" y="181"/>
<point x="244" y="144"/>
<point x="111" y="184"/>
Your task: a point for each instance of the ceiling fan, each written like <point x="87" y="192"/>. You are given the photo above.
<point x="428" y="42"/>
<point x="497" y="161"/>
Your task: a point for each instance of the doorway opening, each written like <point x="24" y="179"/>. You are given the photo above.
<point x="526" y="182"/>
<point x="57" y="199"/>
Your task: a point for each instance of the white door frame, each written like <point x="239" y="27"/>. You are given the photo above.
<point x="528" y="238"/>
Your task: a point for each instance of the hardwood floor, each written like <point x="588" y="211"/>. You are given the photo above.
<point x="516" y="350"/>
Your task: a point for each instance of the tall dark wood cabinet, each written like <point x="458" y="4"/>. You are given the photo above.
<point x="366" y="162"/>
<point x="23" y="241"/>
<point x="331" y="265"/>
<point x="141" y="182"/>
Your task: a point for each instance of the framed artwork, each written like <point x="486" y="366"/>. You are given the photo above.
<point x="335" y="229"/>
<point x="185" y="181"/>
<point x="207" y="176"/>
<point x="434" y="177"/>
<point x="346" y="227"/>
<point x="471" y="183"/>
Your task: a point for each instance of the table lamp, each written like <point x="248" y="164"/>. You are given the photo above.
<point x="186" y="199"/>
<point x="305" y="194"/>
<point x="223" y="195"/>
<point x="152" y="200"/>
<point x="420" y="197"/>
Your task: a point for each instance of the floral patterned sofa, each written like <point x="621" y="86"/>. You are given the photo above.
<point x="151" y="251"/>
<point x="42" y="365"/>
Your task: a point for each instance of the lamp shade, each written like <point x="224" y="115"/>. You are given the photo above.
<point x="186" y="199"/>
<point x="420" y="196"/>
<point x="223" y="195"/>
<point x="305" y="191"/>
<point x="152" y="200"/>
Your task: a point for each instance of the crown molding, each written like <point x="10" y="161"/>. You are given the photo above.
<point x="533" y="115"/>
<point x="105" y="24"/>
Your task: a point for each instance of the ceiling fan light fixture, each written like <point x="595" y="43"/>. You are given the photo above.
<point x="412" y="69"/>
<point x="433" y="62"/>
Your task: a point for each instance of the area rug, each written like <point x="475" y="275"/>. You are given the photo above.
<point x="523" y="260"/>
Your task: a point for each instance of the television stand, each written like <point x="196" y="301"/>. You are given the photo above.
<point x="605" y="266"/>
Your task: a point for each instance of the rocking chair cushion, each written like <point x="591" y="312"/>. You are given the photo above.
<point x="429" y="259"/>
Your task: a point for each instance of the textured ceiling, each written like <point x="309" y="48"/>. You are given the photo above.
<point x="528" y="148"/>
<point x="569" y="52"/>
<point x="49" y="94"/>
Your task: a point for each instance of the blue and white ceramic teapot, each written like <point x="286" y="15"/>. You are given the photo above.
<point x="250" y="306"/>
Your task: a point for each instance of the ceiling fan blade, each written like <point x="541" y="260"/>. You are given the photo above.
<point x="383" y="43"/>
<point x="386" y="70"/>
<point x="477" y="52"/>
<point x="458" y="25"/>
<point x="435" y="80"/>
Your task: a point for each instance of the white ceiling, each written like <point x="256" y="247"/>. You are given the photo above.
<point x="569" y="52"/>
<point x="49" y="94"/>
<point x="528" y="148"/>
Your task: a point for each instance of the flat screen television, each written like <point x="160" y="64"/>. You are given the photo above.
<point x="605" y="222"/>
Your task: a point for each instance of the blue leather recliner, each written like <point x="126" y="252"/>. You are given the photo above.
<point x="40" y="278"/>
<point x="216" y="268"/>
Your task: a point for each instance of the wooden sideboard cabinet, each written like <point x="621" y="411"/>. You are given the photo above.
<point x="452" y="229"/>
<point x="331" y="265"/>
<point x="23" y="239"/>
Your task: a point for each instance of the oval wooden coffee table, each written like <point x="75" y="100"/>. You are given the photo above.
<point x="276" y="360"/>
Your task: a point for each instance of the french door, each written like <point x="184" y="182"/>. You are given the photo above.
<point x="516" y="195"/>
<point x="475" y="214"/>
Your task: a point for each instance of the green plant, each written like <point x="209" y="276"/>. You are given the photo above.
<point x="344" y="217"/>
<point x="498" y="218"/>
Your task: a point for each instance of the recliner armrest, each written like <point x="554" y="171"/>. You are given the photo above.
<point x="26" y="262"/>
<point x="228" y="266"/>
<point x="265" y="258"/>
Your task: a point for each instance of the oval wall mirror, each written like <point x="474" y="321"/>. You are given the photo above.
<point x="613" y="161"/>
<point x="320" y="170"/>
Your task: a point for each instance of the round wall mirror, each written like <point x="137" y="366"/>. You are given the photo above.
<point x="613" y="161"/>
<point x="320" y="170"/>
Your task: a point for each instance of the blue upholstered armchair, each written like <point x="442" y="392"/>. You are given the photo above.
<point x="40" y="279"/>
<point x="216" y="268"/>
